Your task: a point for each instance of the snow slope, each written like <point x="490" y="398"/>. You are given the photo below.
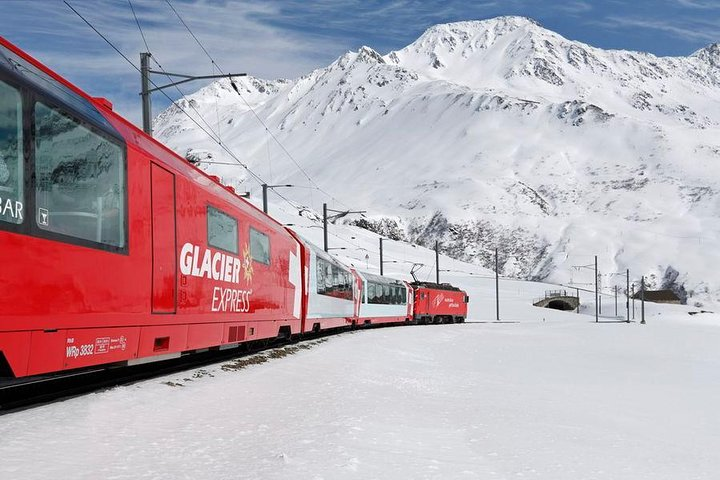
<point x="496" y="133"/>
<point x="553" y="397"/>
<point x="544" y="395"/>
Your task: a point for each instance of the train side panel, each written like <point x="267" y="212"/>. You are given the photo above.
<point x="383" y="300"/>
<point x="189" y="265"/>
<point x="330" y="299"/>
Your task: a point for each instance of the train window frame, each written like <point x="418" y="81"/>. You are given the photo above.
<point x="332" y="280"/>
<point x="18" y="204"/>
<point x="222" y="213"/>
<point x="117" y="194"/>
<point x="255" y="234"/>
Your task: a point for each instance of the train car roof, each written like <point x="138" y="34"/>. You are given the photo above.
<point x="380" y="279"/>
<point x="436" y="286"/>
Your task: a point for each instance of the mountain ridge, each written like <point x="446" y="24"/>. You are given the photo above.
<point x="533" y="141"/>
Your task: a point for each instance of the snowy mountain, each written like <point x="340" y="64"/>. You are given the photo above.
<point x="495" y="133"/>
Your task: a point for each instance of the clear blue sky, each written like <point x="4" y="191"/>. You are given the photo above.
<point x="275" y="38"/>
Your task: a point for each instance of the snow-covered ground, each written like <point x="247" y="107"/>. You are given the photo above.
<point x="551" y="395"/>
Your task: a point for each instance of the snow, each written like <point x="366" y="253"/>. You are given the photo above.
<point x="542" y="395"/>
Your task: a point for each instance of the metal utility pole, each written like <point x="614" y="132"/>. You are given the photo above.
<point x="596" y="292"/>
<point x="145" y="95"/>
<point x="325" y="245"/>
<point x="616" y="300"/>
<point x="627" y="295"/>
<point x="497" y="288"/>
<point x="146" y="90"/>
<point x="642" y="300"/>
<point x="577" y="294"/>
<point x="437" y="262"/>
<point x="381" y="257"/>
<point x="265" y="188"/>
<point x="338" y="214"/>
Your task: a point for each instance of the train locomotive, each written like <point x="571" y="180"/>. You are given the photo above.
<point x="117" y="251"/>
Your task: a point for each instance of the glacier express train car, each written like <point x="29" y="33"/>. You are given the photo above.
<point x="113" y="249"/>
<point x="330" y="298"/>
<point x="383" y="300"/>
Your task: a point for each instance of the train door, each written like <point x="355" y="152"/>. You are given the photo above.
<point x="164" y="282"/>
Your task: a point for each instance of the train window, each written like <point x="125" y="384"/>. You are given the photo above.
<point x="11" y="156"/>
<point x="332" y="280"/>
<point x="259" y="247"/>
<point x="320" y="269"/>
<point x="80" y="180"/>
<point x="403" y="295"/>
<point x="222" y="230"/>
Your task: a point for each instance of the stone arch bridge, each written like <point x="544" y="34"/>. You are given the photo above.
<point x="558" y="300"/>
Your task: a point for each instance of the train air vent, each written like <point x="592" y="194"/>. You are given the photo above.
<point x="233" y="334"/>
<point x="161" y="343"/>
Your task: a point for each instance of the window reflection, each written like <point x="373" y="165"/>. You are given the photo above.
<point x="11" y="157"/>
<point x="80" y="180"/>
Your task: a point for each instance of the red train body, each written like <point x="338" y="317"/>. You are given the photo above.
<point x="115" y="250"/>
<point x="439" y="303"/>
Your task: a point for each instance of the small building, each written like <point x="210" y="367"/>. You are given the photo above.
<point x="659" y="296"/>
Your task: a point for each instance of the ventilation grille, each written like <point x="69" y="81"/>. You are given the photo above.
<point x="236" y="333"/>
<point x="233" y="334"/>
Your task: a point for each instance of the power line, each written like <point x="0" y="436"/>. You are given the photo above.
<point x="157" y="62"/>
<point x="138" y="25"/>
<point x="222" y="145"/>
<point x="260" y="120"/>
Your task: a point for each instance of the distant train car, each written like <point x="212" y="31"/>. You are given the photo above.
<point x="382" y="300"/>
<point x="113" y="248"/>
<point x="330" y="298"/>
<point x="439" y="303"/>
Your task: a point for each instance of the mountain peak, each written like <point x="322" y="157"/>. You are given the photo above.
<point x="709" y="54"/>
<point x="497" y="26"/>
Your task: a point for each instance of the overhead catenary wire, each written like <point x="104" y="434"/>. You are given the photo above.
<point x="252" y="110"/>
<point x="155" y="60"/>
<point x="222" y="145"/>
<point x="137" y="22"/>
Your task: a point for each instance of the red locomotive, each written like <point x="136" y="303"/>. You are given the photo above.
<point x="115" y="250"/>
<point x="439" y="303"/>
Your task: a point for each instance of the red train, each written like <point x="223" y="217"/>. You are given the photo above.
<point x="115" y="250"/>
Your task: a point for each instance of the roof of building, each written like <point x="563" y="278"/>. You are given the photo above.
<point x="658" y="296"/>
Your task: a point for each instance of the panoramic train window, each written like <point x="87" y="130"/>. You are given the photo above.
<point x="80" y="180"/>
<point x="371" y="293"/>
<point x="259" y="247"/>
<point x="333" y="281"/>
<point x="222" y="230"/>
<point x="11" y="156"/>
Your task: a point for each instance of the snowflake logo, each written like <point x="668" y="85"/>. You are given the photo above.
<point x="247" y="264"/>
